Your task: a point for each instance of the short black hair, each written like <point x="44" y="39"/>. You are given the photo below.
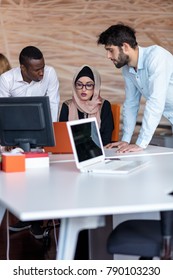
<point x="29" y="52"/>
<point x="117" y="35"/>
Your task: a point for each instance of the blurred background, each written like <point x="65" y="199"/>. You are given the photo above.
<point x="66" y="32"/>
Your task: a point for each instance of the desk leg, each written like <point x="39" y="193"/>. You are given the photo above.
<point x="69" y="230"/>
<point x="98" y="240"/>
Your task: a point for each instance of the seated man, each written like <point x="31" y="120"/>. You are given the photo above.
<point x="32" y="78"/>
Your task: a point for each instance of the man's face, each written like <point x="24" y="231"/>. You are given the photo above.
<point x="34" y="70"/>
<point x="117" y="55"/>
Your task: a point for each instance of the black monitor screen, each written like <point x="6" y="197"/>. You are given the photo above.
<point x="26" y="122"/>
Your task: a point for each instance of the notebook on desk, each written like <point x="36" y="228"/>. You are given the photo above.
<point x="63" y="145"/>
<point x="89" y="152"/>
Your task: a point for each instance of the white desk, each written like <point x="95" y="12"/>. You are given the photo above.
<point x="82" y="200"/>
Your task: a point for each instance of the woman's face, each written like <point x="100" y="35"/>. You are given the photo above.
<point x="84" y="88"/>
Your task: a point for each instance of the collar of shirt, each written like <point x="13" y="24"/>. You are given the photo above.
<point x="18" y="75"/>
<point x="140" y="61"/>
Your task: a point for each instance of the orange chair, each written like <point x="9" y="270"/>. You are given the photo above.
<point x="63" y="145"/>
<point x="116" y="108"/>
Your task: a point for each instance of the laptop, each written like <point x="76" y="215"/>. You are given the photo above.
<point x="89" y="153"/>
<point x="62" y="140"/>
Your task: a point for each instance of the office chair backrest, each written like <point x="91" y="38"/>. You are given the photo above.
<point x="115" y="107"/>
<point x="145" y="238"/>
<point x="63" y="145"/>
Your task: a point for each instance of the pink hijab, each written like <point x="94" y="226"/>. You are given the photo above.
<point x="91" y="107"/>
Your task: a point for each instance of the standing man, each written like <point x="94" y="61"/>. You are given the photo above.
<point x="147" y="72"/>
<point x="32" y="78"/>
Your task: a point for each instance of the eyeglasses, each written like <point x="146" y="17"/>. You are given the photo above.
<point x="87" y="86"/>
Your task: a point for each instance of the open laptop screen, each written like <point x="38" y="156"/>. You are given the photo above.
<point x="86" y="140"/>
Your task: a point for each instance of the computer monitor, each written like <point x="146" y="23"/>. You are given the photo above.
<point x="26" y="122"/>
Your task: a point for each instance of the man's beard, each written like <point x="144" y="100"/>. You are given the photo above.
<point x="122" y="60"/>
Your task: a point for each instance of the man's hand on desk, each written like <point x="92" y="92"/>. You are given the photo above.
<point x="124" y="147"/>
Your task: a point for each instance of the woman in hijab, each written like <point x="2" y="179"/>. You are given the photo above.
<point x="86" y="102"/>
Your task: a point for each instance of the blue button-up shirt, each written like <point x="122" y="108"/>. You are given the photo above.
<point x="154" y="81"/>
